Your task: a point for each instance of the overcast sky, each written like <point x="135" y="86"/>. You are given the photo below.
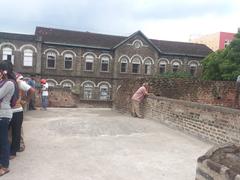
<point x="176" y="20"/>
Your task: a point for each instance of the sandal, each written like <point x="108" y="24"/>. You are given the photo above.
<point x="22" y="148"/>
<point x="3" y="171"/>
<point x="12" y="157"/>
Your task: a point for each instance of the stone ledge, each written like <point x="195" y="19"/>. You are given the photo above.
<point x="220" y="162"/>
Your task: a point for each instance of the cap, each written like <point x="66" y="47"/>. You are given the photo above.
<point x="43" y="81"/>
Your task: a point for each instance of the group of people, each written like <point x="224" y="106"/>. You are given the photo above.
<point x="15" y="93"/>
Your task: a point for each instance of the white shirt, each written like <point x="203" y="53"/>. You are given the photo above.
<point x="22" y="85"/>
<point x="45" y="89"/>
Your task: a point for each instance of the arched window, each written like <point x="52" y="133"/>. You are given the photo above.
<point x="136" y="65"/>
<point x="88" y="91"/>
<point x="7" y="54"/>
<point x="147" y="66"/>
<point x="27" y="57"/>
<point x="89" y="60"/>
<point x="51" y="83"/>
<point x="124" y="65"/>
<point x="67" y="85"/>
<point x="104" y="63"/>
<point x="162" y="67"/>
<point x="68" y="61"/>
<point x="175" y="66"/>
<point x="193" y="68"/>
<point x="51" y="60"/>
<point x="104" y="92"/>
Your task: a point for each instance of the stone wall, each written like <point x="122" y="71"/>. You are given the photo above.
<point x="213" y="123"/>
<point x="220" y="162"/>
<point x="63" y="97"/>
<point x="58" y="97"/>
<point x="222" y="93"/>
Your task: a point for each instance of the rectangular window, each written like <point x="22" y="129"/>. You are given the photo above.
<point x="192" y="70"/>
<point x="104" y="66"/>
<point x="135" y="68"/>
<point x="89" y="66"/>
<point x="123" y="67"/>
<point x="51" y="62"/>
<point x="68" y="63"/>
<point x="175" y="68"/>
<point x="88" y="92"/>
<point x="104" y="94"/>
<point x="147" y="69"/>
<point x="8" y="57"/>
<point x="27" y="61"/>
<point x="162" y="68"/>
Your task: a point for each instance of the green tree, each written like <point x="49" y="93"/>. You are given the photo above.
<point x="223" y="64"/>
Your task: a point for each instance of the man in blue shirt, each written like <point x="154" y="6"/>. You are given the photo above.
<point x="32" y="83"/>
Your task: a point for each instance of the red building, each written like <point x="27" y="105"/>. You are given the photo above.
<point x="225" y="39"/>
<point x="215" y="41"/>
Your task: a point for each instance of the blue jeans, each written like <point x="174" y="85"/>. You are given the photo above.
<point x="4" y="144"/>
<point x="44" y="102"/>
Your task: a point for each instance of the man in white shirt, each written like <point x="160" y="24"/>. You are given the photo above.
<point x="44" y="94"/>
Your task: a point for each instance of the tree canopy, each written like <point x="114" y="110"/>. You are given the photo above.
<point x="223" y="64"/>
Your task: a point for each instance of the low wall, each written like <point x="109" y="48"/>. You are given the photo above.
<point x="63" y="97"/>
<point x="58" y="97"/>
<point x="212" y="123"/>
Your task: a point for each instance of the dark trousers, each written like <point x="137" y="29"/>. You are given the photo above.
<point x="16" y="125"/>
<point x="32" y="103"/>
<point x="4" y="144"/>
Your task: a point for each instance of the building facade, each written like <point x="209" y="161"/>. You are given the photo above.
<point x="215" y="41"/>
<point x="92" y="62"/>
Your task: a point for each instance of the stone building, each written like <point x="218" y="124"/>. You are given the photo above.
<point x="91" y="62"/>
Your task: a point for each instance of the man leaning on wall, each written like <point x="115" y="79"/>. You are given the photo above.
<point x="137" y="98"/>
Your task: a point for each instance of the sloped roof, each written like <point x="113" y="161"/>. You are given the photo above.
<point x="184" y="48"/>
<point x="88" y="39"/>
<point x="78" y="37"/>
<point x="14" y="36"/>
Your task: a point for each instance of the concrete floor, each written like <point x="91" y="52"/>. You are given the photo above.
<point x="99" y="144"/>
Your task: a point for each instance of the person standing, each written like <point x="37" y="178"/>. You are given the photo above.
<point x="7" y="90"/>
<point x="32" y="83"/>
<point x="17" y="119"/>
<point x="137" y="98"/>
<point x="44" y="94"/>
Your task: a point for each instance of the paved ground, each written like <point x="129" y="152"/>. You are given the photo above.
<point x="99" y="144"/>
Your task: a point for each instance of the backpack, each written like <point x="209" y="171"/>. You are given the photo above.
<point x="15" y="95"/>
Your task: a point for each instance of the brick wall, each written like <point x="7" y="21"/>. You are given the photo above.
<point x="63" y="97"/>
<point x="221" y="93"/>
<point x="213" y="123"/>
<point x="58" y="97"/>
